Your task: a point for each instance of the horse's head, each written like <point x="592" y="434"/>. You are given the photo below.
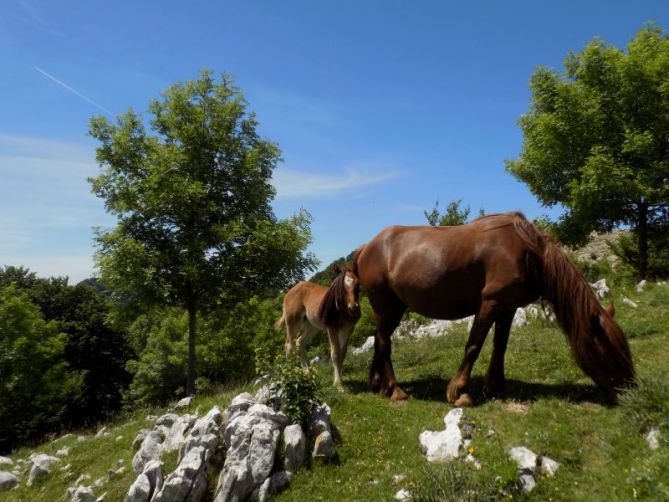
<point x="611" y="365"/>
<point x="342" y="298"/>
<point x="351" y="293"/>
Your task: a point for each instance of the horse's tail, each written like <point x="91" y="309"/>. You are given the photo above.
<point x="576" y="308"/>
<point x="278" y="325"/>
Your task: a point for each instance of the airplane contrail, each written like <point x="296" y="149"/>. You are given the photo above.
<point x="74" y="91"/>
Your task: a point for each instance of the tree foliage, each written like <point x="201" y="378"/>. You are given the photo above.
<point x="36" y="386"/>
<point x="454" y="214"/>
<point x="192" y="199"/>
<point x="595" y="138"/>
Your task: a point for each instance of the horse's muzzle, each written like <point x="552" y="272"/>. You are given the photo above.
<point x="354" y="311"/>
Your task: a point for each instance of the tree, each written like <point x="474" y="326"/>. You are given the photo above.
<point x="595" y="139"/>
<point x="195" y="226"/>
<point x="36" y="385"/>
<point x="452" y="216"/>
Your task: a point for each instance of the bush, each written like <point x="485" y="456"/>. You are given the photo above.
<point x="299" y="390"/>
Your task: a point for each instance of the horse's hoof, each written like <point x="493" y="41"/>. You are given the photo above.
<point x="399" y="395"/>
<point x="464" y="400"/>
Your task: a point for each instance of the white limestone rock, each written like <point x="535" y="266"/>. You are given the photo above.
<point x="267" y="413"/>
<point x="403" y="494"/>
<point x="320" y="419"/>
<point x="629" y="302"/>
<point x="6" y="461"/>
<point x="188" y="481"/>
<point x="524" y="458"/>
<point x="601" y="289"/>
<point x="183" y="403"/>
<point x="83" y="494"/>
<point x="150" y="450"/>
<point x="324" y="449"/>
<point x="443" y="445"/>
<point x="8" y="480"/>
<point x="549" y="467"/>
<point x="653" y="438"/>
<point x="365" y="347"/>
<point x="178" y="432"/>
<point x="295" y="442"/>
<point x="40" y="466"/>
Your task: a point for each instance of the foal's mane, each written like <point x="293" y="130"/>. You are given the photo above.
<point x="333" y="301"/>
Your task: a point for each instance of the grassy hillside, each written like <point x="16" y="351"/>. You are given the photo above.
<point x="550" y="407"/>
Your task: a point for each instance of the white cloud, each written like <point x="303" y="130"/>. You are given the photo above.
<point x="290" y="183"/>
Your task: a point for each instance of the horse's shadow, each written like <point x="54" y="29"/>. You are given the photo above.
<point x="434" y="389"/>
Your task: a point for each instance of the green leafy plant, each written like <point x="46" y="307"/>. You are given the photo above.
<point x="299" y="390"/>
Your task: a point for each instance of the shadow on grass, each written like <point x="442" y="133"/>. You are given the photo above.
<point x="434" y="389"/>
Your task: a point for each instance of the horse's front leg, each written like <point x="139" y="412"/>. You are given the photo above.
<point x="495" y="379"/>
<point x="458" y="388"/>
<point x="336" y="355"/>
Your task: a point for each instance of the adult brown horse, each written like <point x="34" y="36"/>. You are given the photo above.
<point x="487" y="268"/>
<point x="308" y="307"/>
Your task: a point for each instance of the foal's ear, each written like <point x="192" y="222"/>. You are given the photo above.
<point x="611" y="309"/>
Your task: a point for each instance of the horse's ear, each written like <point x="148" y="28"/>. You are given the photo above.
<point x="336" y="270"/>
<point x="611" y="309"/>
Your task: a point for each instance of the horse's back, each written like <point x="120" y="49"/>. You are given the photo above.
<point x="443" y="272"/>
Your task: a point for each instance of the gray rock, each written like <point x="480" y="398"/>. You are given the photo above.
<point x="238" y="424"/>
<point x="188" y="481"/>
<point x="524" y="457"/>
<point x="263" y="395"/>
<point x="549" y="466"/>
<point x="102" y="432"/>
<point x="150" y="450"/>
<point x="262" y="450"/>
<point x="320" y="420"/>
<point x="271" y="486"/>
<point x="6" y="461"/>
<point x="40" y="468"/>
<point x="629" y="302"/>
<point x="602" y="289"/>
<point x="527" y="483"/>
<point x="8" y="481"/>
<point x="653" y="438"/>
<point x="183" y="403"/>
<point x="403" y="494"/>
<point x="149" y="482"/>
<point x="140" y="490"/>
<point x="267" y="413"/>
<point x="141" y="435"/>
<point x="167" y="419"/>
<point x="208" y="424"/>
<point x="295" y="442"/>
<point x="242" y="402"/>
<point x="63" y="452"/>
<point x="365" y="347"/>
<point x="83" y="494"/>
<point x="324" y="448"/>
<point x="209" y="442"/>
<point x="640" y="285"/>
<point x="178" y="432"/>
<point x="443" y="445"/>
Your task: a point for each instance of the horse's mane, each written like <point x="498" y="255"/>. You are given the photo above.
<point x="335" y="296"/>
<point x="575" y="305"/>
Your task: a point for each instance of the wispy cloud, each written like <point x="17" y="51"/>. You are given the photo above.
<point x="46" y="207"/>
<point x="74" y="91"/>
<point x="290" y="183"/>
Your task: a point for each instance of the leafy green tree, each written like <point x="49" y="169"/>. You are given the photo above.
<point x="36" y="386"/>
<point x="453" y="215"/>
<point x="195" y="226"/>
<point x="595" y="139"/>
<point x="93" y="347"/>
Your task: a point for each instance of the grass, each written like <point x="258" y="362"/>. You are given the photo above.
<point x="550" y="406"/>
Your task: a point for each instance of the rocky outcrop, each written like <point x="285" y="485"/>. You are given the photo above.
<point x="531" y="466"/>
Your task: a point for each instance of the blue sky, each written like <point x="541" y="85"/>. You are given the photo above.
<point x="379" y="107"/>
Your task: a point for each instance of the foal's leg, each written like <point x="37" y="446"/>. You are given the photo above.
<point x="306" y="334"/>
<point x="336" y="355"/>
<point x="495" y="380"/>
<point x="456" y="392"/>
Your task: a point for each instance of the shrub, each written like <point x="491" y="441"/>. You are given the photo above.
<point x="454" y="482"/>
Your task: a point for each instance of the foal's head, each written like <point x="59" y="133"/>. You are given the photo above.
<point x="342" y="299"/>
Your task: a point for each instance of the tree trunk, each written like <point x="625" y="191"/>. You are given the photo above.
<point x="190" y="379"/>
<point x="642" y="234"/>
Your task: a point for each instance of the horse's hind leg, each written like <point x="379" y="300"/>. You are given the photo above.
<point x="495" y="380"/>
<point x="457" y="391"/>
